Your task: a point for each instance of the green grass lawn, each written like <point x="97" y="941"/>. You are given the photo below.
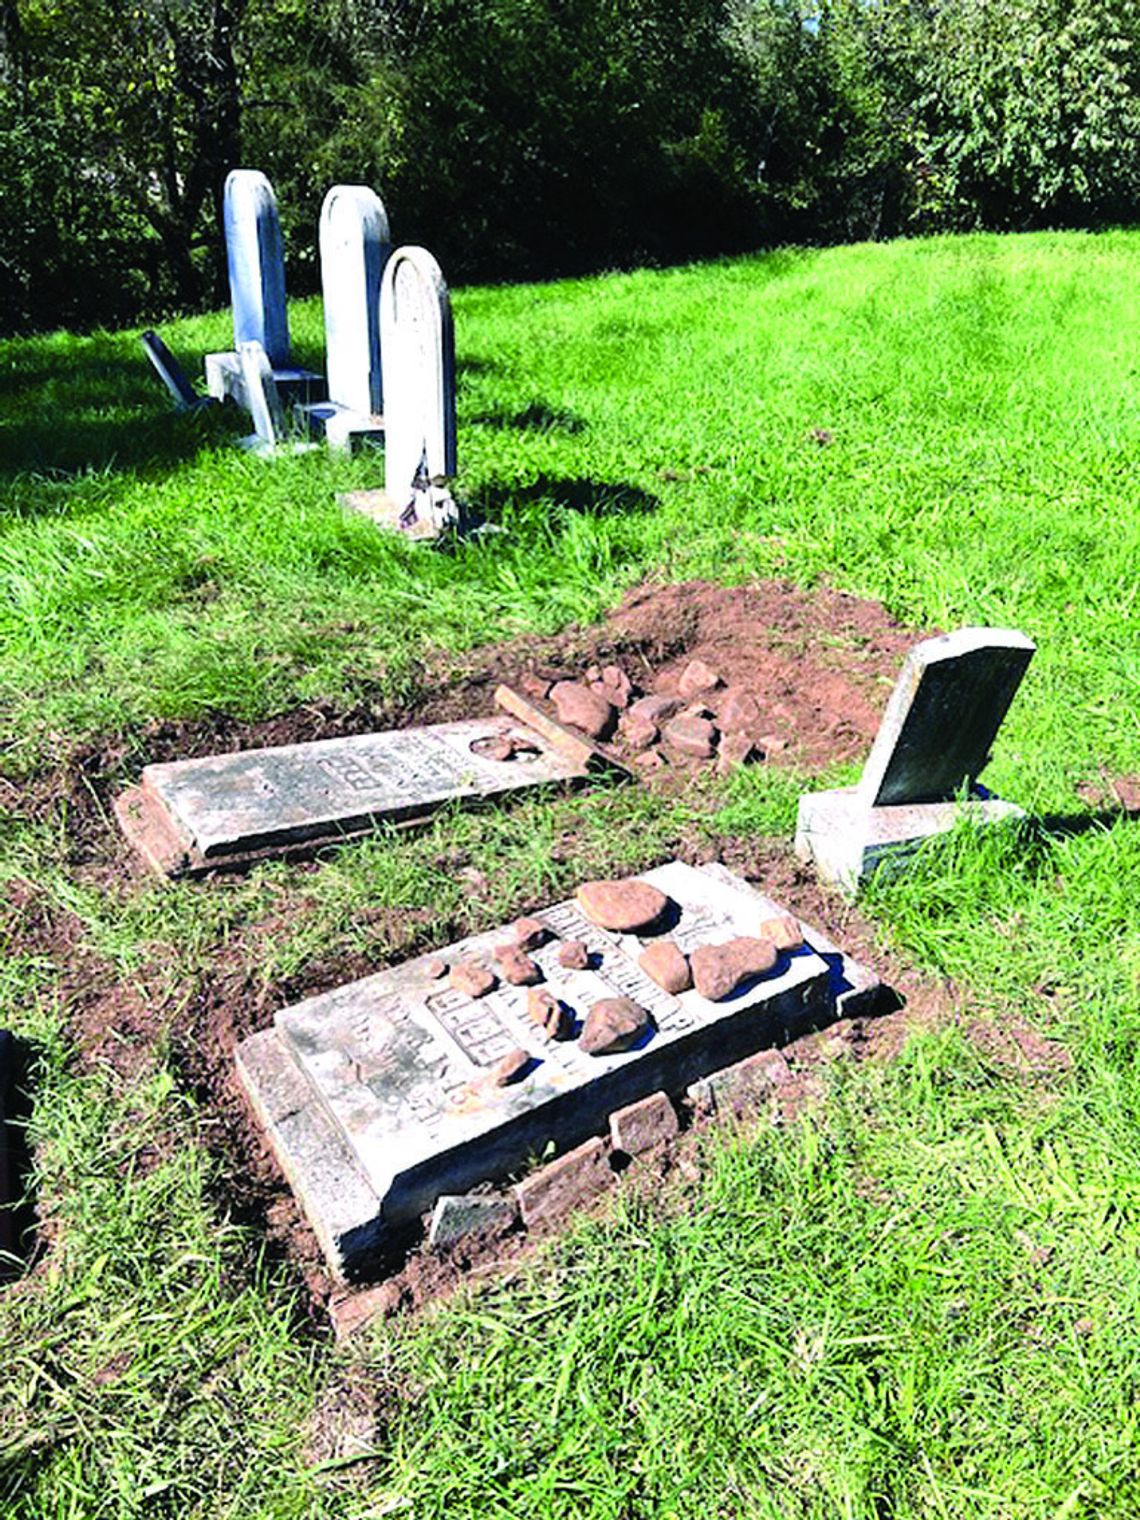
<point x="920" y="1300"/>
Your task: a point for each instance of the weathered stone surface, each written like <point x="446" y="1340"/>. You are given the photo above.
<point x="549" y="1013"/>
<point x="630" y="906"/>
<point x="698" y="677"/>
<point x="512" y="1067"/>
<point x="461" y="1216"/>
<point x="582" y="708"/>
<point x="773" y="744"/>
<point x="692" y="736"/>
<point x="783" y="930"/>
<point x="612" y="1025"/>
<point x="229" y="805"/>
<point x="530" y="933"/>
<point x="535" y="685"/>
<point x="573" y="955"/>
<point x="743" y="1080"/>
<point x="736" y="750"/>
<point x="554" y="1190"/>
<point x="354" y="246"/>
<point x="640" y="1126"/>
<point x="718" y="970"/>
<point x="638" y="731"/>
<point x="353" y="1311"/>
<point x="650" y="760"/>
<point x="657" y="709"/>
<point x="516" y="967"/>
<point x="378" y="1098"/>
<point x="472" y="980"/>
<point x="612" y="683"/>
<point x="436" y="968"/>
<point x="664" y="962"/>
<point x="738" y="709"/>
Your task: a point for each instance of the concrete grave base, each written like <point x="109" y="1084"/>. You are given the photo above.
<point x="375" y="1096"/>
<point x="847" y="839"/>
<point x="225" y="382"/>
<point x="386" y="513"/>
<point x="340" y="427"/>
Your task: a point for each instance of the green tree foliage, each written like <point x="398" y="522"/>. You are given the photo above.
<point x="527" y="137"/>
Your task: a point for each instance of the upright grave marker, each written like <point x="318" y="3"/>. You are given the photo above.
<point x="418" y="353"/>
<point x="933" y="743"/>
<point x="376" y="1099"/>
<point x="255" y="261"/>
<point x="355" y="244"/>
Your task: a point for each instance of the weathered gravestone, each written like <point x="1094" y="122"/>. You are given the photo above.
<point x="190" y="816"/>
<point x="354" y="243"/>
<point x="172" y="375"/>
<point x="255" y="260"/>
<point x="933" y="743"/>
<point x="376" y="1099"/>
<point x="418" y="356"/>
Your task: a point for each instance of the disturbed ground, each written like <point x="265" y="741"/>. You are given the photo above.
<point x="819" y="664"/>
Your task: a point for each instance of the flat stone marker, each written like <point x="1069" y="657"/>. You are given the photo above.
<point x="188" y="816"/>
<point x="255" y="261"/>
<point x="934" y="741"/>
<point x="375" y="1096"/>
<point x="418" y="355"/>
<point x="354" y="244"/>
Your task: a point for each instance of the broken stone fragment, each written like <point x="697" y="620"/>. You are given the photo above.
<point x="516" y="966"/>
<point x="612" y="1025"/>
<point x="435" y="968"/>
<point x="664" y="964"/>
<point x="530" y="933"/>
<point x="773" y="744"/>
<point x="511" y="1067"/>
<point x="471" y="979"/>
<point x="551" y="1016"/>
<point x="738" y="709"/>
<point x="535" y="685"/>
<point x="628" y="907"/>
<point x="692" y="736"/>
<point x="574" y="956"/>
<point x="657" y="709"/>
<point x="612" y="683"/>
<point x="783" y="931"/>
<point x="718" y="970"/>
<point x="650" y="760"/>
<point x="582" y="708"/>
<point x="697" y="678"/>
<point x="640" y="1126"/>
<point x="736" y="750"/>
<point x="638" y="732"/>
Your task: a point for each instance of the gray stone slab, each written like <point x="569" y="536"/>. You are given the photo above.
<point x="172" y="375"/>
<point x="459" y="1215"/>
<point x="255" y="260"/>
<point x="354" y="245"/>
<point x="227" y="805"/>
<point x="399" y="1062"/>
<point x="943" y="716"/>
<point x="224" y="381"/>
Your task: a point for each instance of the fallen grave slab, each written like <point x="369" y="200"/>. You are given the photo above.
<point x="189" y="816"/>
<point x="376" y="1096"/>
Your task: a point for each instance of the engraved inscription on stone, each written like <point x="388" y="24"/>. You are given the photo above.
<point x="256" y="798"/>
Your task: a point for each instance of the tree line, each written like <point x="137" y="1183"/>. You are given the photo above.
<point x="525" y="138"/>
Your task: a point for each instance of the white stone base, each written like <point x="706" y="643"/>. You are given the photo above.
<point x="340" y="427"/>
<point x="847" y="840"/>
<point x="224" y="380"/>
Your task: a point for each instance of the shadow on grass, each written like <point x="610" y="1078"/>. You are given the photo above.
<point x="538" y="417"/>
<point x="581" y="494"/>
<point x="17" y="1206"/>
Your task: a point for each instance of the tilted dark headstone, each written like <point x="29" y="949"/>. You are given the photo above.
<point x="172" y="375"/>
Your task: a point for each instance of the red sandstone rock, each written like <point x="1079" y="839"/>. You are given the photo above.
<point x="656" y="709"/>
<point x="517" y="967"/>
<point x="697" y="677"/>
<point x="638" y="732"/>
<point x="584" y="709"/>
<point x="573" y="955"/>
<point x="718" y="970"/>
<point x="650" y="760"/>
<point x="530" y="933"/>
<point x="535" y="685"/>
<point x="549" y="1014"/>
<point x="735" y="750"/>
<point x="554" y="1189"/>
<point x="612" y="1024"/>
<point x="738" y="709"/>
<point x="692" y="736"/>
<point x="471" y="979"/>
<point x="436" y="968"/>
<point x="512" y="1066"/>
<point x="664" y="964"/>
<point x="625" y="906"/>
<point x="612" y="683"/>
<point x="640" y="1126"/>
<point x="783" y="931"/>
